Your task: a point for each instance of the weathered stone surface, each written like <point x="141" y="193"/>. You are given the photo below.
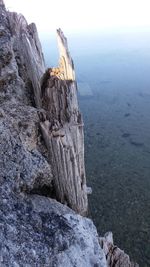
<point x="37" y="231"/>
<point x="34" y="230"/>
<point x="114" y="255"/>
<point x="27" y="52"/>
<point x="63" y="131"/>
<point x="1" y="2"/>
<point x="21" y="159"/>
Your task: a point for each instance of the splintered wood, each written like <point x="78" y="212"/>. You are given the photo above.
<point x="63" y="131"/>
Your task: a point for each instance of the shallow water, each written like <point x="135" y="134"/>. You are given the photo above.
<point x="117" y="152"/>
<point x="113" y="73"/>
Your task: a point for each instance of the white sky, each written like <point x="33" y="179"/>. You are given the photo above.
<point x="83" y="15"/>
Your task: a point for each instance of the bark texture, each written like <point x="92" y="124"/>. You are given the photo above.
<point x="63" y="131"/>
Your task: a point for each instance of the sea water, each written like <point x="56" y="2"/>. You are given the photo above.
<point x="113" y="74"/>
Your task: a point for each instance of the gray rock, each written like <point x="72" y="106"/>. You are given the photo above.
<point x="114" y="255"/>
<point x="34" y="230"/>
<point x="28" y="53"/>
<point x="22" y="160"/>
<point x="38" y="231"/>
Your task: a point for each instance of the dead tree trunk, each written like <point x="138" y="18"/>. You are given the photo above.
<point x="63" y="131"/>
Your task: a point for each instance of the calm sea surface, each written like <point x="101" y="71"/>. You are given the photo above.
<point x="113" y="73"/>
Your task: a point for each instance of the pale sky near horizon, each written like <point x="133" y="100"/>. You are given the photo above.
<point x="83" y="16"/>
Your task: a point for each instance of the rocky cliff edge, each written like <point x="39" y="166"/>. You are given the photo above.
<point x="35" y="229"/>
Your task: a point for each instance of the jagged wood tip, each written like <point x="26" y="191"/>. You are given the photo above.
<point x="65" y="60"/>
